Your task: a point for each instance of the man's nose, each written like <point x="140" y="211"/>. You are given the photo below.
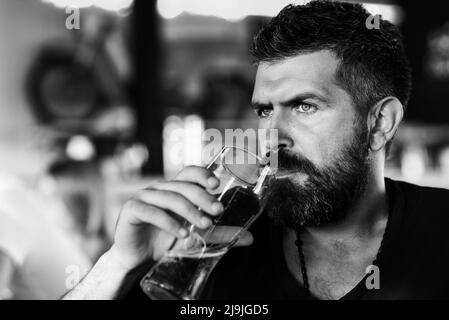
<point x="281" y="125"/>
<point x="283" y="141"/>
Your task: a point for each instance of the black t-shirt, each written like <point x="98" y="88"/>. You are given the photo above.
<point x="413" y="262"/>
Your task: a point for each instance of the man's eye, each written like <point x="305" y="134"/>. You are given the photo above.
<point x="305" y="108"/>
<point x="264" y="113"/>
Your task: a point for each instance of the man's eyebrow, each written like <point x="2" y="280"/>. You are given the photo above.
<point x="303" y="96"/>
<point x="295" y="99"/>
<point x="259" y="105"/>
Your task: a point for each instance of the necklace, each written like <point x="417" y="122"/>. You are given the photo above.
<point x="302" y="260"/>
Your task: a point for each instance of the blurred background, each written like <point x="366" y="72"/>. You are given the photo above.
<point x="95" y="105"/>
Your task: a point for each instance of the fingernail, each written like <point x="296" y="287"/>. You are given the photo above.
<point x="205" y="222"/>
<point x="217" y="207"/>
<point x="183" y="232"/>
<point x="212" y="181"/>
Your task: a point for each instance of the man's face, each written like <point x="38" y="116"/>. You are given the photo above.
<point x="323" y="139"/>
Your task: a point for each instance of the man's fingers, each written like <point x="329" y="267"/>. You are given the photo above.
<point x="177" y="204"/>
<point x="198" y="175"/>
<point x="145" y="213"/>
<point x="194" y="193"/>
<point x="224" y="234"/>
<point x="245" y="238"/>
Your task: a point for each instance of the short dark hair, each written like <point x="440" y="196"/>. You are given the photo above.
<point x="373" y="64"/>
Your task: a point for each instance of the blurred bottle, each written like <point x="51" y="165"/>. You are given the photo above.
<point x="414" y="163"/>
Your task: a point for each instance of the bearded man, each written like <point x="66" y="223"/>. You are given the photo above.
<point x="336" y="91"/>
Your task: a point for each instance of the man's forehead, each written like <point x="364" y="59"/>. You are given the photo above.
<point x="313" y="71"/>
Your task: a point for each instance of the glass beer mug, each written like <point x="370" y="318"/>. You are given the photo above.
<point x="184" y="269"/>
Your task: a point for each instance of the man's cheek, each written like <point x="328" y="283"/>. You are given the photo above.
<point x="299" y="179"/>
<point x="330" y="148"/>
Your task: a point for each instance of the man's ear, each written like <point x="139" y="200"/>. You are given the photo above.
<point x="384" y="120"/>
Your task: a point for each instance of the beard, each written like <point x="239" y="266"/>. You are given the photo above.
<point x="327" y="194"/>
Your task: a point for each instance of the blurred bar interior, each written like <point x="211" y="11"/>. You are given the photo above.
<point x="90" y="115"/>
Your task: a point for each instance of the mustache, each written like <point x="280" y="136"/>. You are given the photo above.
<point x="290" y="162"/>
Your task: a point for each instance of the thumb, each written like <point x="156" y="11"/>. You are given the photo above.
<point x="224" y="234"/>
<point x="245" y="238"/>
